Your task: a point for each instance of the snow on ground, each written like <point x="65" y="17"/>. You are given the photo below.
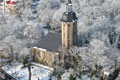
<point x="66" y="76"/>
<point x="85" y="78"/>
<point x="38" y="71"/>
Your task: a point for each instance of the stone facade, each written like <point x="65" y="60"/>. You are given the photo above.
<point x="69" y="34"/>
<point x="47" y="58"/>
<point x="11" y="8"/>
<point x="69" y="27"/>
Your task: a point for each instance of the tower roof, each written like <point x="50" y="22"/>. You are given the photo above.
<point x="51" y="42"/>
<point x="69" y="15"/>
<point x="69" y="2"/>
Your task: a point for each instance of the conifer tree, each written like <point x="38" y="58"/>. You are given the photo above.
<point x="71" y="77"/>
<point x="58" y="76"/>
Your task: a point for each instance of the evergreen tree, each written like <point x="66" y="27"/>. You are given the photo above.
<point x="80" y="70"/>
<point x="71" y="77"/>
<point x="91" y="73"/>
<point x="58" y="76"/>
<point x="25" y="60"/>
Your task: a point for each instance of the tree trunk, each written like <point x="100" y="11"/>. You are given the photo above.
<point x="29" y="69"/>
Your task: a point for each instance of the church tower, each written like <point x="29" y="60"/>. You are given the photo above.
<point x="69" y="27"/>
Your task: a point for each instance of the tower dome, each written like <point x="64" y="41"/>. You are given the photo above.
<point x="69" y="15"/>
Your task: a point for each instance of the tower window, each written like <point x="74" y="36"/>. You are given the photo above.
<point x="68" y="25"/>
<point x="74" y="24"/>
<point x="39" y="54"/>
<point x="64" y="25"/>
<point x="65" y="18"/>
<point x="74" y="32"/>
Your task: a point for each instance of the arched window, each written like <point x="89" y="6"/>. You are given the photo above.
<point x="68" y="25"/>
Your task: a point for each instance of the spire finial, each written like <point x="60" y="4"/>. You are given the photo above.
<point x="69" y="2"/>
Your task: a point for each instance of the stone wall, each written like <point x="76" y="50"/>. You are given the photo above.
<point x="47" y="58"/>
<point x="12" y="9"/>
<point x="69" y="34"/>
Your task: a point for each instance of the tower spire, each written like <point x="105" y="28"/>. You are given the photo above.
<point x="69" y="6"/>
<point x="69" y="1"/>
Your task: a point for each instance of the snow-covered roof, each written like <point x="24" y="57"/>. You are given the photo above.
<point x="51" y="42"/>
<point x="14" y="0"/>
<point x="42" y="49"/>
<point x="7" y="0"/>
<point x="35" y="47"/>
<point x="38" y="71"/>
<point x="106" y="73"/>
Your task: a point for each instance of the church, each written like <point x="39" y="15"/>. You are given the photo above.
<point x="51" y="49"/>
